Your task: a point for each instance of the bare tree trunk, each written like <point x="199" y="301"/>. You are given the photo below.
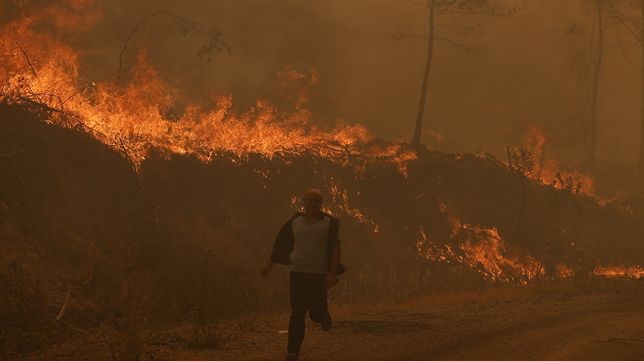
<point x="640" y="166"/>
<point x="597" y="62"/>
<point x="423" y="91"/>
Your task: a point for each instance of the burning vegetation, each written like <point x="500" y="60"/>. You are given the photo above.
<point x="118" y="209"/>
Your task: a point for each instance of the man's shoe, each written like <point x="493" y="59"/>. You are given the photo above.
<point x="292" y="357"/>
<point x="326" y="323"/>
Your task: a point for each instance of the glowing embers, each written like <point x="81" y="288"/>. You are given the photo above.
<point x="620" y="271"/>
<point x="296" y="203"/>
<point x="564" y="271"/>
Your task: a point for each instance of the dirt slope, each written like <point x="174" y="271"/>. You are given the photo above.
<point x="76" y="219"/>
<point x="61" y="186"/>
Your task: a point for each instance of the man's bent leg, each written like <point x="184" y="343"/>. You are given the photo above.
<point x="318" y="305"/>
<point x="296" y="325"/>
<point x="317" y="298"/>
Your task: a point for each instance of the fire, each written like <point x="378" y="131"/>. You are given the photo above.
<point x="552" y="167"/>
<point x="548" y="170"/>
<point x="620" y="271"/>
<point x="564" y="271"/>
<point x="341" y="199"/>
<point x="36" y="67"/>
<point x="290" y="79"/>
<point x="131" y="113"/>
<point x="484" y="250"/>
<point x="429" y="250"/>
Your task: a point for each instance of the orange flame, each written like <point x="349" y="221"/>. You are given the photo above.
<point x="484" y="250"/>
<point x="132" y="116"/>
<point x="341" y="199"/>
<point x="620" y="271"/>
<point x="547" y="168"/>
<point x="291" y="79"/>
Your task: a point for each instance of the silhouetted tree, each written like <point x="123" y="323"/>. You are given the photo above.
<point x="588" y="66"/>
<point x="455" y="17"/>
<point x="630" y="16"/>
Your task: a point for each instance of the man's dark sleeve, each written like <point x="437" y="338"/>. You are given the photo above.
<point x="283" y="245"/>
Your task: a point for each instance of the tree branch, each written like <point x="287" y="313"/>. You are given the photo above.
<point x="495" y="11"/>
<point x="28" y="61"/>
<point x="186" y="28"/>
<point x="621" y="48"/>
<point x="400" y="33"/>
<point x="627" y="23"/>
<point x="462" y="47"/>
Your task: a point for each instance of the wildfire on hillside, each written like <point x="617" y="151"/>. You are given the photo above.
<point x="132" y="116"/>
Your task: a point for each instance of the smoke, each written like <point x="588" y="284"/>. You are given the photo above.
<point x="62" y="16"/>
<point x="488" y="100"/>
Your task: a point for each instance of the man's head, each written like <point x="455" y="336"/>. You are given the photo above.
<point x="312" y="201"/>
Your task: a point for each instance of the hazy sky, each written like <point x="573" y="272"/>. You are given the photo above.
<point x="367" y="77"/>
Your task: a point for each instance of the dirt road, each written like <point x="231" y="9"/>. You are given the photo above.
<point x="567" y="321"/>
<point x="576" y="321"/>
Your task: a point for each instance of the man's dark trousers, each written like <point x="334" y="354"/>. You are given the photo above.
<point x="308" y="293"/>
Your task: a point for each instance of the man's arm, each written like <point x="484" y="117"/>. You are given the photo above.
<point x="267" y="269"/>
<point x="331" y="278"/>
